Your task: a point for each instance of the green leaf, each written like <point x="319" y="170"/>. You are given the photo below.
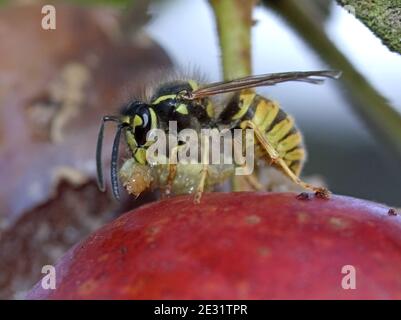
<point x="382" y="17"/>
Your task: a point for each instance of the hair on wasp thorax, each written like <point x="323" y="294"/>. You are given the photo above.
<point x="154" y="79"/>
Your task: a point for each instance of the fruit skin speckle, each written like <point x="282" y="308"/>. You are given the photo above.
<point x="237" y="246"/>
<point x="252" y="219"/>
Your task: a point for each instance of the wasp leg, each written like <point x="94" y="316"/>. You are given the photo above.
<point x="172" y="172"/>
<point x="203" y="173"/>
<point x="275" y="158"/>
<point x="201" y="185"/>
<point x="254" y="182"/>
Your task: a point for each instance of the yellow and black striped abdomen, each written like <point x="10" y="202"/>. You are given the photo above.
<point x="278" y="127"/>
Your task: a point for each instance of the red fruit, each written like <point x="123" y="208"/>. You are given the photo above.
<point x="237" y="246"/>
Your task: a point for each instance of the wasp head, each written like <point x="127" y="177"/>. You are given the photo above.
<point x="137" y="119"/>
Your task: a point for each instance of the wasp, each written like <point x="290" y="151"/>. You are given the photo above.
<point x="193" y="105"/>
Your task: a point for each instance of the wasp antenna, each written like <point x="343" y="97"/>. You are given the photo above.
<point x="114" y="162"/>
<point x="99" y="145"/>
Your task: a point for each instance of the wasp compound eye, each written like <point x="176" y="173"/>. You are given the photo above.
<point x="141" y="125"/>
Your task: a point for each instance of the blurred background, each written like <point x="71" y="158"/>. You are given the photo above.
<point x="56" y="84"/>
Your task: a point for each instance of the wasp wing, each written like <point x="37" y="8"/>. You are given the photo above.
<point x="269" y="79"/>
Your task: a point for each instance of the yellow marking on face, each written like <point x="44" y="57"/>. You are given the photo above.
<point x="140" y="155"/>
<point x="165" y="97"/>
<point x="297" y="154"/>
<point x="153" y="119"/>
<point x="194" y="85"/>
<point x="246" y="98"/>
<point x="289" y="143"/>
<point x="280" y="130"/>
<point x="210" y="109"/>
<point x="132" y="144"/>
<point x="137" y="121"/>
<point x="182" y="108"/>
